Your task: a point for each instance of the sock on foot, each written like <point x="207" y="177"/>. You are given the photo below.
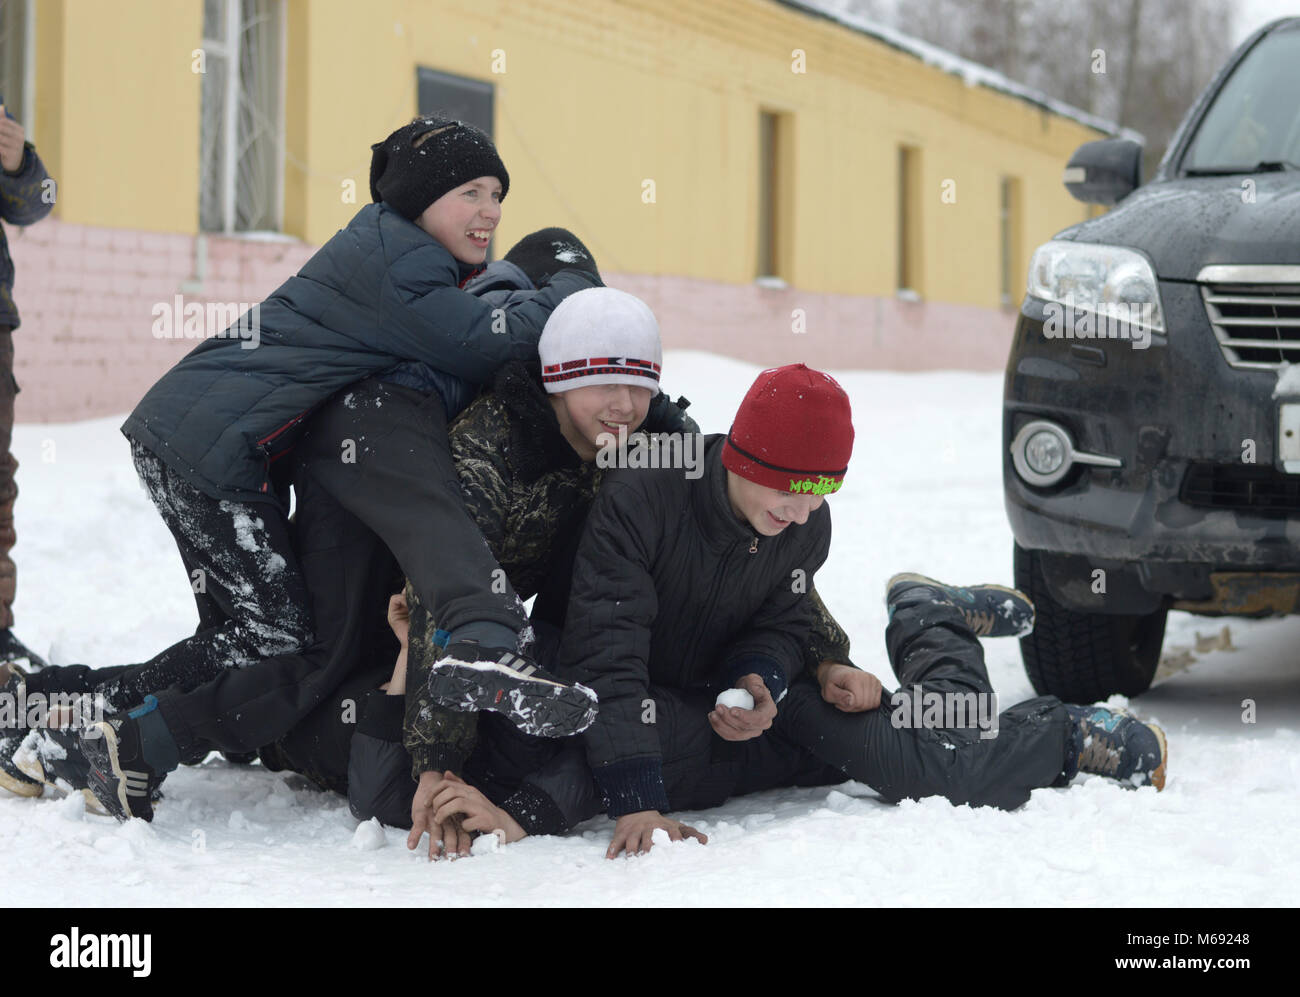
<point x="157" y="746"/>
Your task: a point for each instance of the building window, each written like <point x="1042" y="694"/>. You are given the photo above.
<point x="909" y="221"/>
<point x="241" y="154"/>
<point x="457" y="97"/>
<point x="15" y="39"/>
<point x="1009" y="218"/>
<point x="775" y="169"/>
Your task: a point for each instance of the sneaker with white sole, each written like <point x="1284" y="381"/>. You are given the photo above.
<point x="13" y="731"/>
<point x="1116" y="744"/>
<point x="52" y="757"/>
<point x="125" y="784"/>
<point x="469" y="678"/>
<point x="989" y="610"/>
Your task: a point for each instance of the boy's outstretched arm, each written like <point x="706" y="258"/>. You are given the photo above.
<point x="425" y="316"/>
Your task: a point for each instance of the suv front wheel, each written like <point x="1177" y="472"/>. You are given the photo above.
<point x="1085" y="657"/>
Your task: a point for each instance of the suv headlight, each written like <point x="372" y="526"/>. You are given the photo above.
<point x="1108" y="281"/>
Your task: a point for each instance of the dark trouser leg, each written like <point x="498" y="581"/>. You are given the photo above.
<point x="247" y="567"/>
<point x="71" y="678"/>
<point x="348" y="575"/>
<point x="404" y="486"/>
<point x="933" y="651"/>
<point x="320" y="744"/>
<point x="8" y="489"/>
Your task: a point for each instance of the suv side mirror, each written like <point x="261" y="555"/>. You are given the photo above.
<point x="1104" y="172"/>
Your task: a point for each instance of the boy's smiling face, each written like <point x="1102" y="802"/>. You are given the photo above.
<point x="587" y="414"/>
<point x="463" y="219"/>
<point x="767" y="510"/>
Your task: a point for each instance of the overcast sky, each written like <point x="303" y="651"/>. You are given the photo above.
<point x="1252" y="14"/>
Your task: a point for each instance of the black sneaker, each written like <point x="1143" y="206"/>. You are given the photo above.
<point x="469" y="678"/>
<point x="1116" y="744"/>
<point x="12" y="650"/>
<point x="12" y="778"/>
<point x="123" y="782"/>
<point x="989" y="610"/>
<point x="13" y="731"/>
<point x="52" y="757"/>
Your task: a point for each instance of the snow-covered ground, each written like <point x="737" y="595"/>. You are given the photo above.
<point x="100" y="582"/>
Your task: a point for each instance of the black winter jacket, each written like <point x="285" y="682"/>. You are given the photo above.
<point x="380" y="292"/>
<point x="670" y="588"/>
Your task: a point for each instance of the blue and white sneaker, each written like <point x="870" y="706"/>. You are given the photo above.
<point x="1116" y="744"/>
<point x="989" y="610"/>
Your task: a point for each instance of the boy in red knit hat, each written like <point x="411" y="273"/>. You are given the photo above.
<point x="684" y="589"/>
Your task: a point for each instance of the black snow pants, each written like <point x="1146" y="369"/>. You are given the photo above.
<point x="811" y="743"/>
<point x="935" y="656"/>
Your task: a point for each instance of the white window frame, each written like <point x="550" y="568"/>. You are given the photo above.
<point x="229" y="50"/>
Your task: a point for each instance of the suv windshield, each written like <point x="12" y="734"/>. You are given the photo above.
<point x="1254" y="122"/>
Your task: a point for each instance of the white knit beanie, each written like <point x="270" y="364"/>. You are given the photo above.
<point x="600" y="336"/>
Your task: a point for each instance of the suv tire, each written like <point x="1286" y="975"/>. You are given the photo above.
<point x="1085" y="657"/>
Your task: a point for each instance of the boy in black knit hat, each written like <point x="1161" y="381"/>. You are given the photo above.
<point x="383" y="299"/>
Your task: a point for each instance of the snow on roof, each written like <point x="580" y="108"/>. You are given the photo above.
<point x="972" y="73"/>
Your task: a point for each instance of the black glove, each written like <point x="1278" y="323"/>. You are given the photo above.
<point x="544" y="253"/>
<point x="667" y="416"/>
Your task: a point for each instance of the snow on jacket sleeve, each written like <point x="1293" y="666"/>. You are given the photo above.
<point x="425" y="316"/>
<point x="606" y="645"/>
<point x="21" y="201"/>
<point x="775" y="642"/>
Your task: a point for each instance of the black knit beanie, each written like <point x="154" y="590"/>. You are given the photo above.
<point x="421" y="161"/>
<point x="544" y="253"/>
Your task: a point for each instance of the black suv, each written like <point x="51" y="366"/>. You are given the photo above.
<point x="1151" y="428"/>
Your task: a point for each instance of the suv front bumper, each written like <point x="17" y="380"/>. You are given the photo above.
<point x="1184" y="510"/>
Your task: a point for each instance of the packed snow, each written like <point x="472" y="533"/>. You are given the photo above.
<point x="100" y="582"/>
<point x="739" y="698"/>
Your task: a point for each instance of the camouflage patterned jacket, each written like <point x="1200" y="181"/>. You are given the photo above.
<point x="529" y="493"/>
<point x="21" y="203"/>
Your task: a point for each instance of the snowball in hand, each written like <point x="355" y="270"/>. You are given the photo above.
<point x="739" y="698"/>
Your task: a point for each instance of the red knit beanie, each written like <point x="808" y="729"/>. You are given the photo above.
<point x="793" y="432"/>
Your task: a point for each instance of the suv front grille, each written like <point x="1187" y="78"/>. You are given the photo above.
<point x="1257" y="323"/>
<point x="1248" y="487"/>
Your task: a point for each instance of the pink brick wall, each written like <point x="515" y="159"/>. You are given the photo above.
<point x="86" y="347"/>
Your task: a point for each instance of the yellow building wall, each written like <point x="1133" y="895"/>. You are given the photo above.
<point x="596" y="98"/>
<point x="117" y="110"/>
